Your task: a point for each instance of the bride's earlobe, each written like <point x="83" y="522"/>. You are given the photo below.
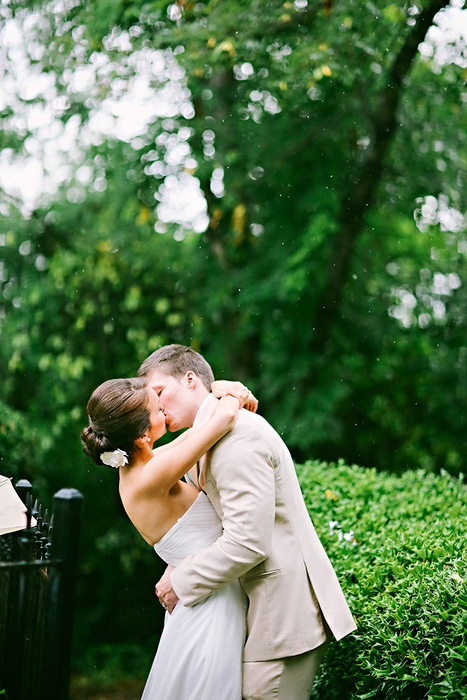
<point x="142" y="439"/>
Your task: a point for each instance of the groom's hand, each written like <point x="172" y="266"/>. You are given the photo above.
<point x="164" y="591"/>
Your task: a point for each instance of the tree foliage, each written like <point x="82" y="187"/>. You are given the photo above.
<point x="315" y="132"/>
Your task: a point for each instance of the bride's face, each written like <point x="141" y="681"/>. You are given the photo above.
<point x="157" y="426"/>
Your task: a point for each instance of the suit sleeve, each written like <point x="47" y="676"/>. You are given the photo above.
<point x="242" y="467"/>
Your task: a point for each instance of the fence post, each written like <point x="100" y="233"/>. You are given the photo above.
<point x="23" y="488"/>
<point x="62" y="584"/>
<point x="24" y="491"/>
<point x="18" y="601"/>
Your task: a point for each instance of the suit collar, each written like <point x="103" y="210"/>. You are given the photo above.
<point x="205" y="410"/>
<point x="203" y="415"/>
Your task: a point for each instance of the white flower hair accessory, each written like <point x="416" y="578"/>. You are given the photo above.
<point x="115" y="459"/>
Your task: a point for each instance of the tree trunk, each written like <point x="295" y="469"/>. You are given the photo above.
<point x="360" y="195"/>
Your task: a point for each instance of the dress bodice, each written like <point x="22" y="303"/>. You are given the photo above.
<point x="198" y="527"/>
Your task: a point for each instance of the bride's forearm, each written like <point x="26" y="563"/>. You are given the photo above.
<point x="168" y="466"/>
<point x="176" y="441"/>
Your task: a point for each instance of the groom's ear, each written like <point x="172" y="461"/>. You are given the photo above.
<point x="191" y="379"/>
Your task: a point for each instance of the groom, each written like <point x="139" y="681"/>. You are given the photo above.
<point x="268" y="540"/>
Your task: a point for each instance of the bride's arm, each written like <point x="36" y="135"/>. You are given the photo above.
<point x="172" y="443"/>
<point x="167" y="467"/>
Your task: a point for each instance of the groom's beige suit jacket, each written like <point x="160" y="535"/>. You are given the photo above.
<point x="268" y="542"/>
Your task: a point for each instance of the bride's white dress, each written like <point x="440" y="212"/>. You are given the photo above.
<point x="199" y="656"/>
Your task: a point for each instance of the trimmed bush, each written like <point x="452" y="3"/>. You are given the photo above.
<point x="399" y="546"/>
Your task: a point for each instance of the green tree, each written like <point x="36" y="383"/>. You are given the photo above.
<point x="316" y="130"/>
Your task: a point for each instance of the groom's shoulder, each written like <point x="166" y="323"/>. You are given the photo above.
<point x="255" y="425"/>
<point x="252" y="431"/>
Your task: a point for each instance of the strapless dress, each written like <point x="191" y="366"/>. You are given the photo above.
<point x="199" y="656"/>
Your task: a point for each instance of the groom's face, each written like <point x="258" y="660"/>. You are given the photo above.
<point x="176" y="399"/>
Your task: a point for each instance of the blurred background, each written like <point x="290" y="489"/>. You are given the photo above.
<point x="280" y="185"/>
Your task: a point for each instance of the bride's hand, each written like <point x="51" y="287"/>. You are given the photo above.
<point x="223" y="387"/>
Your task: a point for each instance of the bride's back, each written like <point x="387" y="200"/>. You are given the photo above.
<point x="153" y="512"/>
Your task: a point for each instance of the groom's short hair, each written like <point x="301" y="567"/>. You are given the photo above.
<point x="176" y="361"/>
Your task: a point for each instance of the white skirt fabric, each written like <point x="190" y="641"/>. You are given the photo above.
<point x="199" y="656"/>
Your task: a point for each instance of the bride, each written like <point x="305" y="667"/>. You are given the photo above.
<point x="200" y="651"/>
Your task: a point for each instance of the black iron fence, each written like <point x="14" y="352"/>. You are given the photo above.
<point x="37" y="589"/>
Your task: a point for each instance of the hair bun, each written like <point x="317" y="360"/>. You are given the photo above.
<point x="94" y="443"/>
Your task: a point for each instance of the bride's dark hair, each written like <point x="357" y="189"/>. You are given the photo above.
<point x="118" y="414"/>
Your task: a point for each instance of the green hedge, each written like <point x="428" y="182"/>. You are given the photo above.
<point x="399" y="546"/>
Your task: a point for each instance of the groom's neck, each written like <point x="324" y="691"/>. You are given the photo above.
<point x="200" y="394"/>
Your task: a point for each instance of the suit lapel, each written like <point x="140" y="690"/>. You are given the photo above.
<point x="203" y="415"/>
<point x="202" y="466"/>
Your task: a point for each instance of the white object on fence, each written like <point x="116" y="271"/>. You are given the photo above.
<point x="12" y="508"/>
